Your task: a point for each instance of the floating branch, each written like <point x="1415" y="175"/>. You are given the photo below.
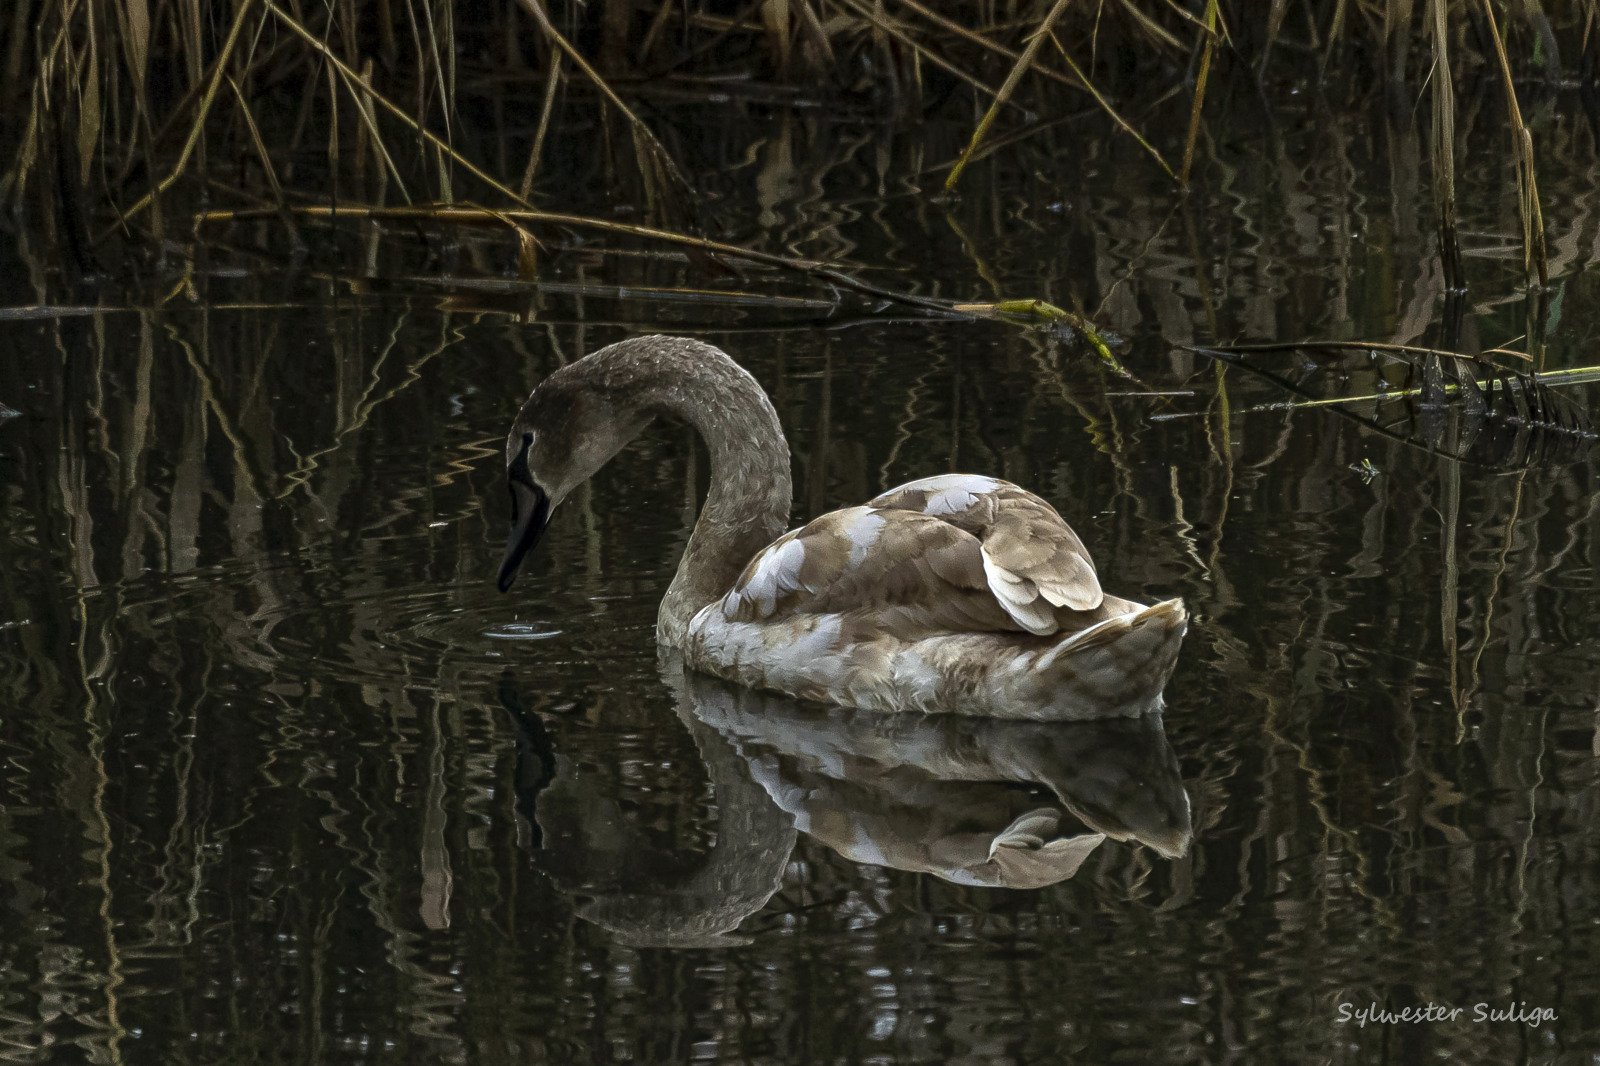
<point x="1038" y="312"/>
<point x="1458" y="404"/>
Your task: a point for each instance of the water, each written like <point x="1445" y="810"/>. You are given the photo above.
<point x="286" y="780"/>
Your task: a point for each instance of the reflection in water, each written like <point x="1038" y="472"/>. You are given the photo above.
<point x="975" y="801"/>
<point x="650" y="896"/>
<point x="982" y="802"/>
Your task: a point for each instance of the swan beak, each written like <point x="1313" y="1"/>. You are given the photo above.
<point x="530" y="507"/>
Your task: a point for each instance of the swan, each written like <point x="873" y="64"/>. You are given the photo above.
<point x="957" y="593"/>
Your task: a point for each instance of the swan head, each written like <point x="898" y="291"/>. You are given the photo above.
<point x="569" y="428"/>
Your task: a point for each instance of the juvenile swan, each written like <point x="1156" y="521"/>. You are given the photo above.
<point x="955" y="593"/>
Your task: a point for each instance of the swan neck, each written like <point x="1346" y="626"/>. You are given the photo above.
<point x="748" y="503"/>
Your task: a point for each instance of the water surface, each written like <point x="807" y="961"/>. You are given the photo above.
<point x="286" y="780"/>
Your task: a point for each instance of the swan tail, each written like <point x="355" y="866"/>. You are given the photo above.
<point x="1124" y="661"/>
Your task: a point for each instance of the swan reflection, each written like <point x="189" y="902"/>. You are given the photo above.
<point x="975" y="801"/>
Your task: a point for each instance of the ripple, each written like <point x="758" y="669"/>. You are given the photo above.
<point x="521" y="631"/>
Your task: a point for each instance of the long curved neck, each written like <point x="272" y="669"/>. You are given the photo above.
<point x="751" y="489"/>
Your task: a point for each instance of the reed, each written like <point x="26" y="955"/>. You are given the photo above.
<point x="127" y="108"/>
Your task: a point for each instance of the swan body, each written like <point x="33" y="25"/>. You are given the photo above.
<point x="958" y="593"/>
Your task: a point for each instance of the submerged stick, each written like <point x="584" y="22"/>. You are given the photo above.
<point x="1035" y="310"/>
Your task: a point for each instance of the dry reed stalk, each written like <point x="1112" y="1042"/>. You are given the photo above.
<point x="656" y="166"/>
<point x="262" y="154"/>
<point x="361" y="94"/>
<point x="88" y="88"/>
<point x="551" y="84"/>
<point x="445" y="83"/>
<point x="200" y="119"/>
<point x="1444" y="149"/>
<point x="734" y="25"/>
<point x="985" y="42"/>
<point x="1275" y="15"/>
<point x="1396" y="40"/>
<point x="775" y="17"/>
<point x="1533" y="250"/>
<point x="885" y="25"/>
<point x="1157" y="32"/>
<point x="353" y="79"/>
<point x="818" y="50"/>
<point x="657" y="24"/>
<point x="1209" y="29"/>
<point x="1017" y="71"/>
<point x="1109" y="110"/>
<point x="333" y="130"/>
<point x="1335" y="33"/>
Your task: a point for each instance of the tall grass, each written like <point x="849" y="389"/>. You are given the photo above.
<point x="126" y="109"/>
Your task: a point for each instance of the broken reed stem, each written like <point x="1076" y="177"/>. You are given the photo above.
<point x="1210" y="29"/>
<point x="1017" y="71"/>
<point x="1533" y="251"/>
<point x="1444" y="150"/>
<point x="478" y="216"/>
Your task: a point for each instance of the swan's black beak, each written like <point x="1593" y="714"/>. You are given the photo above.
<point x="530" y="507"/>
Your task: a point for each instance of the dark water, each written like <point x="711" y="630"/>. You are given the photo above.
<point x="286" y="780"/>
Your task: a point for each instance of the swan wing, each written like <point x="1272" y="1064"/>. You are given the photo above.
<point x="909" y="573"/>
<point x="1032" y="559"/>
<point x="958" y="553"/>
